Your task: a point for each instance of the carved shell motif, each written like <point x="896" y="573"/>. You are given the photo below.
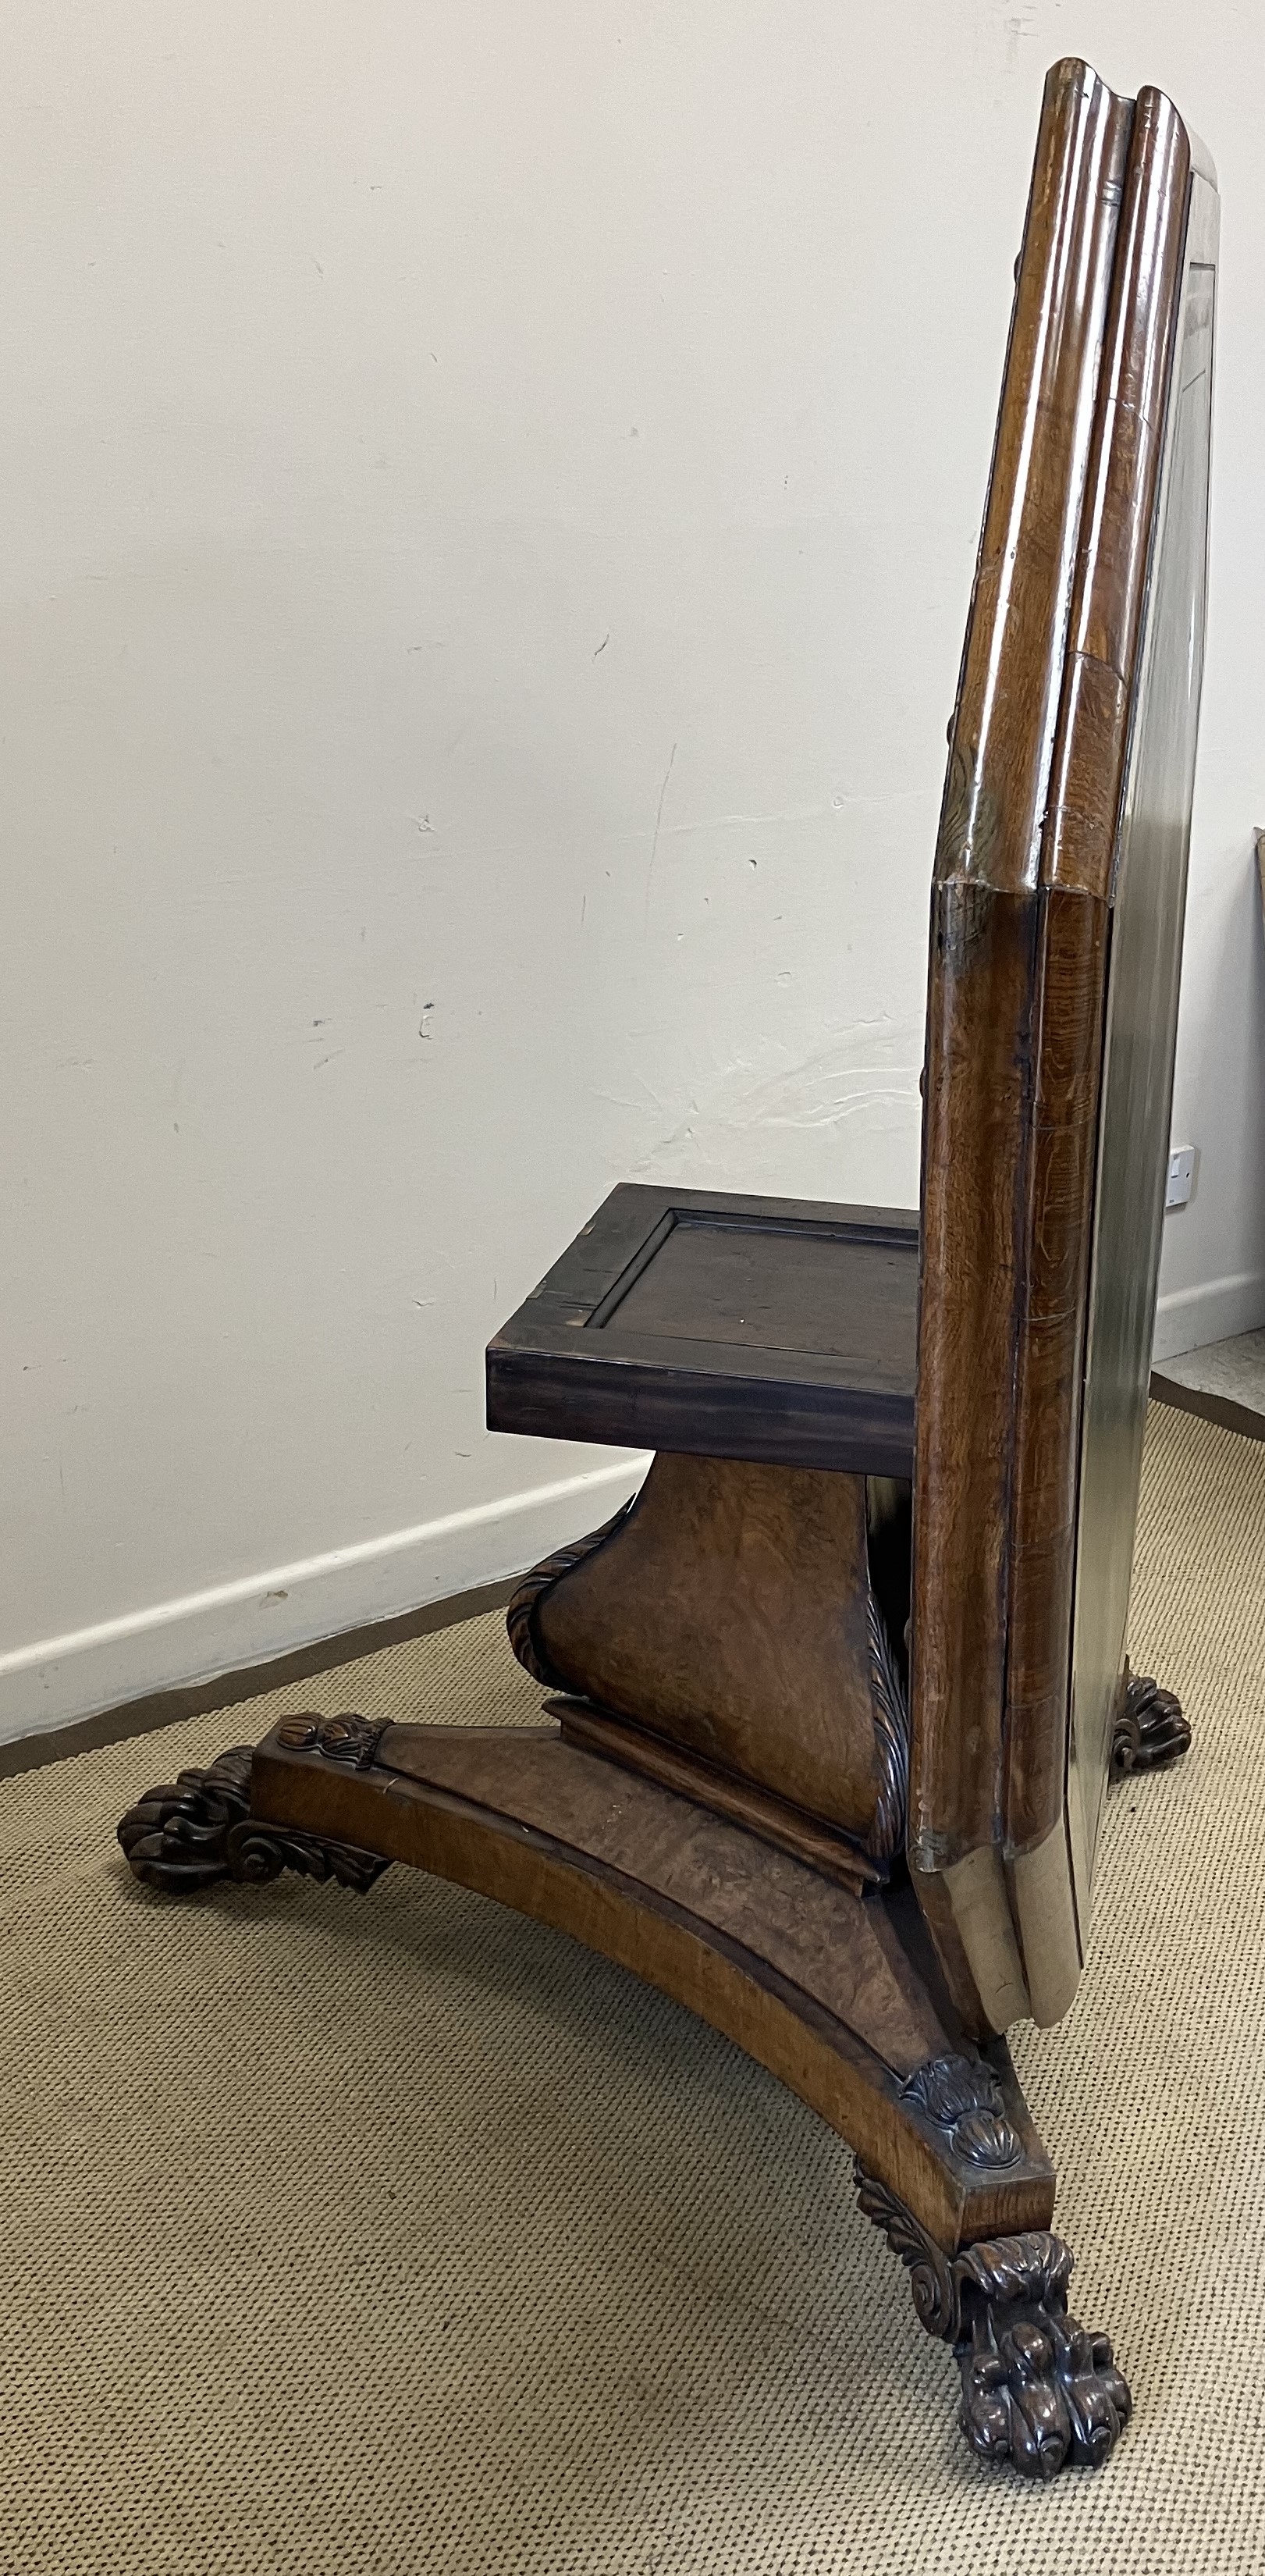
<point x="962" y="2096"/>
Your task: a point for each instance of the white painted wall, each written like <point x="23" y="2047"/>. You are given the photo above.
<point x="492" y="502"/>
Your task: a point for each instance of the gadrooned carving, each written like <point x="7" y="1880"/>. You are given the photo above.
<point x="1037" y="2389"/>
<point x="350" y="1739"/>
<point x="962" y="2096"/>
<point x="198" y="1828"/>
<point x="521" y="1614"/>
<point x="1149" y="1730"/>
<point x="891" y="1740"/>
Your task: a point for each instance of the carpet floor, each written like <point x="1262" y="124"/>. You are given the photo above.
<point x="363" y="2236"/>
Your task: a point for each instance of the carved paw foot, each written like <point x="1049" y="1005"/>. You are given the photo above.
<point x="1149" y="1731"/>
<point x="177" y="1836"/>
<point x="199" y="1828"/>
<point x="1037" y="2390"/>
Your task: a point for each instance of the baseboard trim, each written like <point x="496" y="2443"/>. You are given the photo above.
<point x="1187" y="1318"/>
<point x="216" y="1639"/>
<point x="137" y="1717"/>
<point x="1210" y="1408"/>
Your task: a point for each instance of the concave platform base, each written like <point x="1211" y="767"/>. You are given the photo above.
<point x="825" y="1987"/>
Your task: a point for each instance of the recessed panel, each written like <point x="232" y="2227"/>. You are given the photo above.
<point x="723" y="1326"/>
<point x="766" y="1288"/>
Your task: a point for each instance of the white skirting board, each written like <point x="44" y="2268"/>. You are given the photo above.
<point x="231" y="1626"/>
<point x="1188" y="1318"/>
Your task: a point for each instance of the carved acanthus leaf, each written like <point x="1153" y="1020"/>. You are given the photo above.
<point x="198" y="1828"/>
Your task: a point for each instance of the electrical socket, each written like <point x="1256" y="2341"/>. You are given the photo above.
<point x="1181" y="1176"/>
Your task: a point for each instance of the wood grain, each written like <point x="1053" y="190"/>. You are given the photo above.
<point x="825" y="1999"/>
<point x="729" y="1614"/>
<point x="1020" y="957"/>
<point x="780" y="1330"/>
<point x="982" y="1021"/>
<point x="979" y="1053"/>
<point x="1004" y="726"/>
<point x="774" y="1819"/>
<point x="1079" y="837"/>
<point x="1077" y="867"/>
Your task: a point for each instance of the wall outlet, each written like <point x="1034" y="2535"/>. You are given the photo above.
<point x="1181" y="1176"/>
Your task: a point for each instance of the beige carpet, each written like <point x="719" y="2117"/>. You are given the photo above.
<point x="396" y="2233"/>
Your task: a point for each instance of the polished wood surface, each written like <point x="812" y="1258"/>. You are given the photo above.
<point x="1080" y="962"/>
<point x="775" y="1329"/>
<point x="1012" y="672"/>
<point x="725" y="1793"/>
<point x="1113" y="559"/>
<point x="981" y="1029"/>
<point x="821" y="1937"/>
<point x="729" y="1613"/>
<point x="812" y="1982"/>
<point x="1024" y="958"/>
